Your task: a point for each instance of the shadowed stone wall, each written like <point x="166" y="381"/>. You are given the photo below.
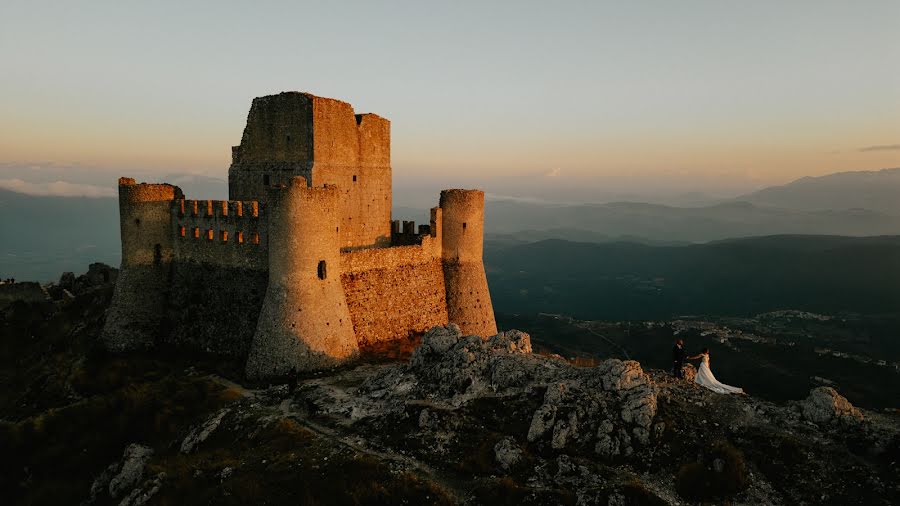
<point x="138" y="303"/>
<point x="213" y="308"/>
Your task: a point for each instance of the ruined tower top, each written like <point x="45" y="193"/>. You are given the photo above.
<point x="299" y="134"/>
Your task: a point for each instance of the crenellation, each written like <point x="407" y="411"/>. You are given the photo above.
<point x="305" y="244"/>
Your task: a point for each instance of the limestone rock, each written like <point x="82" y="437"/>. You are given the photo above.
<point x="825" y="405"/>
<point x="202" y="431"/>
<point x="451" y="366"/>
<point x="140" y="495"/>
<point x="130" y="469"/>
<point x="507" y="453"/>
<point x="610" y="407"/>
<point x="67" y="281"/>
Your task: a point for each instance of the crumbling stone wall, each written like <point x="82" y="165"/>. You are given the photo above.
<point x="277" y="145"/>
<point x="326" y="143"/>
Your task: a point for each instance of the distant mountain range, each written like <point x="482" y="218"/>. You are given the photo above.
<point x="655" y="223"/>
<point x="44" y="235"/>
<point x="877" y="191"/>
<point x="846" y="203"/>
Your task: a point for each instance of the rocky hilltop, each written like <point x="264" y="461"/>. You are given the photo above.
<point x="458" y="420"/>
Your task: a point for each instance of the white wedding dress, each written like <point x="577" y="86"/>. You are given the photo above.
<point x="706" y="379"/>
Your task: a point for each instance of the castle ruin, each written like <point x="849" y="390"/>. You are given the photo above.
<point x="302" y="265"/>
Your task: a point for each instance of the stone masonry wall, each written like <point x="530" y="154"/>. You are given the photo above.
<point x="395" y="292"/>
<point x="226" y="233"/>
<point x="213" y="308"/>
<point x="276" y="145"/>
<point x="325" y="142"/>
<point x="352" y="152"/>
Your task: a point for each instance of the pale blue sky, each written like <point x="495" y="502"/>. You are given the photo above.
<point x="617" y="94"/>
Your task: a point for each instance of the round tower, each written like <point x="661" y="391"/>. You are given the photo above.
<point x="138" y="303"/>
<point x="468" y="298"/>
<point x="304" y="323"/>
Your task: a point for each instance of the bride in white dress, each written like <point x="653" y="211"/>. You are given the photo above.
<point x="706" y="379"/>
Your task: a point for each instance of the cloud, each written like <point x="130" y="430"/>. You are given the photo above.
<point x="513" y="198"/>
<point x="57" y="189"/>
<point x="882" y="147"/>
<point x="554" y="172"/>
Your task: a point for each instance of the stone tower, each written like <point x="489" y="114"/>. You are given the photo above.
<point x="304" y="323"/>
<point x="468" y="299"/>
<point x="138" y="303"/>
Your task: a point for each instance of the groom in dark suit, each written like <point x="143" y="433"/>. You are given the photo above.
<point x="678" y="355"/>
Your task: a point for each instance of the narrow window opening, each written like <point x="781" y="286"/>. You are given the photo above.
<point x="209" y="234"/>
<point x="255" y="237"/>
<point x="137" y="221"/>
<point x="157" y="254"/>
<point x="322" y="270"/>
<point x="223" y="235"/>
<point x="196" y="232"/>
<point x="181" y="231"/>
<point x="266" y="179"/>
<point x="240" y="238"/>
<point x="354" y="178"/>
<point x="464" y="225"/>
<point x="288" y="139"/>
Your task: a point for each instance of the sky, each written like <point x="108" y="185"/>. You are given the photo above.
<point x="639" y="96"/>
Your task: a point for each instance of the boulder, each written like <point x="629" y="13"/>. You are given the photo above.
<point x="825" y="405"/>
<point x="507" y="453"/>
<point x="130" y="469"/>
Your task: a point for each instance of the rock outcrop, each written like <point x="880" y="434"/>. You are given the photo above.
<point x="120" y="478"/>
<point x="609" y="407"/>
<point x="825" y="405"/>
<point x="202" y="431"/>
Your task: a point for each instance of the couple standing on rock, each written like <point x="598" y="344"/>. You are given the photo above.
<point x="705" y="377"/>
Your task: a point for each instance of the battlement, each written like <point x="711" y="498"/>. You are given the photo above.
<point x="405" y="233"/>
<point x="227" y="233"/>
<point x="218" y="208"/>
